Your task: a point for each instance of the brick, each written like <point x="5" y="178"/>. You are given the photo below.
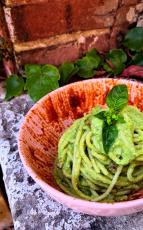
<point x="98" y="7"/>
<point x="126" y="15"/>
<point x="139" y="7"/>
<point x="102" y="6"/>
<point x="12" y="3"/>
<point x="92" y="22"/>
<point x="132" y="15"/>
<point x="130" y="2"/>
<point x="59" y="53"/>
<point x="38" y="21"/>
<point x="121" y="15"/>
<point x="117" y="35"/>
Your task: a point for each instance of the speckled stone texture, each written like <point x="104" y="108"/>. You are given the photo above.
<point x="33" y="209"/>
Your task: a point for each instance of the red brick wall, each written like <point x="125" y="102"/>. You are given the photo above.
<point x="53" y="31"/>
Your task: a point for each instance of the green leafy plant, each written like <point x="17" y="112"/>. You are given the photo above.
<point x="14" y="86"/>
<point x="42" y="79"/>
<point x="67" y="70"/>
<point x="134" y="39"/>
<point x="137" y="59"/>
<point x="88" y="65"/>
<point x="116" y="100"/>
<point x="115" y="61"/>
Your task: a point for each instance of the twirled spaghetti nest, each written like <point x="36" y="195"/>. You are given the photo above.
<point x="84" y="170"/>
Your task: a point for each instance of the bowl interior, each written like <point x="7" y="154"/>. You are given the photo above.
<point x="48" y="118"/>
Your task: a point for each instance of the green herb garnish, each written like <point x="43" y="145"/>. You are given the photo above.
<point x="116" y="100"/>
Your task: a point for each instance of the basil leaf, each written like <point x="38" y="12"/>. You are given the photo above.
<point x="109" y="135"/>
<point x="45" y="81"/>
<point x="67" y="70"/>
<point x="117" y="98"/>
<point x="137" y="59"/>
<point x="134" y="39"/>
<point x="102" y="115"/>
<point x="88" y="65"/>
<point x="14" y="86"/>
<point x="117" y="57"/>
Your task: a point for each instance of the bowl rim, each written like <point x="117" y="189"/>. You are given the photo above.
<point x="48" y="188"/>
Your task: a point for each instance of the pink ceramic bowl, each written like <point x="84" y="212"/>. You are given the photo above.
<point x="44" y="125"/>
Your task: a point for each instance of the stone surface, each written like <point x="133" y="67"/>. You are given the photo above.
<point x="117" y="36"/>
<point x="32" y="209"/>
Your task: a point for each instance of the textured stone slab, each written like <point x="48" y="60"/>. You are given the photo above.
<point x="32" y="209"/>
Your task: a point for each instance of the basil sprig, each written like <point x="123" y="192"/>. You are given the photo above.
<point x="116" y="100"/>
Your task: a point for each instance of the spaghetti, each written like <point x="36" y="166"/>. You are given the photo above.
<point x="84" y="170"/>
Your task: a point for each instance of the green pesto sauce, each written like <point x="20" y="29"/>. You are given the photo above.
<point x="129" y="143"/>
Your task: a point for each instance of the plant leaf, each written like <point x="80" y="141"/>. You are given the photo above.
<point x="32" y="71"/>
<point x="137" y="59"/>
<point x="67" y="70"/>
<point x="92" y="53"/>
<point x="117" y="98"/>
<point x="42" y="86"/>
<point x="109" y="135"/>
<point x="50" y="71"/>
<point x="14" y="86"/>
<point x="117" y="57"/>
<point x="134" y="39"/>
<point x="88" y="65"/>
<point x="43" y="83"/>
<point x="102" y="115"/>
<point x="119" y="53"/>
